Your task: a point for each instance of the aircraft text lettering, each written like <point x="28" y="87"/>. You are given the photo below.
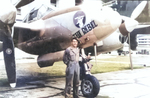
<point x="89" y="27"/>
<point x="77" y="34"/>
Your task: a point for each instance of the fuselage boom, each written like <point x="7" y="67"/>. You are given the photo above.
<point x="60" y="26"/>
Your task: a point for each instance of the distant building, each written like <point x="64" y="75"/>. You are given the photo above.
<point x="143" y="41"/>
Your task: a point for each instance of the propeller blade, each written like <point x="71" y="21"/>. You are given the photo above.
<point x="8" y="51"/>
<point x="137" y="11"/>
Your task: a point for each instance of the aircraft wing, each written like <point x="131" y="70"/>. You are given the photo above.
<point x="142" y="26"/>
<point x="21" y="3"/>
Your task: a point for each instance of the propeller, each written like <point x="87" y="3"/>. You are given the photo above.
<point x="8" y="51"/>
<point x="7" y="19"/>
<point x="129" y="24"/>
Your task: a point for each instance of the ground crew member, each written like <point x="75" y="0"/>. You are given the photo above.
<point x="71" y="59"/>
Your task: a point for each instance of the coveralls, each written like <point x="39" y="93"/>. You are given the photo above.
<point x="71" y="59"/>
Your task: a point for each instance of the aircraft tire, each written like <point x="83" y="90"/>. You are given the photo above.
<point x="90" y="86"/>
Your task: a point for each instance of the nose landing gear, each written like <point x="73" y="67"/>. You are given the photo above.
<point x="90" y="86"/>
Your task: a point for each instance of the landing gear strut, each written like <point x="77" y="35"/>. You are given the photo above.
<point x="90" y="86"/>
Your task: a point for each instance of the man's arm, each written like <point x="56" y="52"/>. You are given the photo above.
<point x="66" y="57"/>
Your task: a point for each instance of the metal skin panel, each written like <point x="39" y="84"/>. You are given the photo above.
<point x="52" y="39"/>
<point x="61" y="26"/>
<point x="110" y="43"/>
<point x="48" y="59"/>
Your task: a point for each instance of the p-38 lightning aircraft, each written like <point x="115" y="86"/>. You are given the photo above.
<point x="48" y="35"/>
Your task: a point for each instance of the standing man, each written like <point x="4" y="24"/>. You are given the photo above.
<point x="71" y="59"/>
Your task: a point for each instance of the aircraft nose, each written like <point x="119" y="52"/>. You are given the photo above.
<point x="113" y="16"/>
<point x="108" y="22"/>
<point x="115" y="20"/>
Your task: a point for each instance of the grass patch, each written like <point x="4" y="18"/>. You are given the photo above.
<point x="109" y="67"/>
<point x="3" y="82"/>
<point x="58" y="69"/>
<point x="117" y="63"/>
<point x="116" y="58"/>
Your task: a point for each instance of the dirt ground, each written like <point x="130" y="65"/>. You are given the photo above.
<point x="31" y="84"/>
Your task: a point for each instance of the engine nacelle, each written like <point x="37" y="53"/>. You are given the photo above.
<point x="110" y="43"/>
<point x="49" y="59"/>
<point x="8" y="14"/>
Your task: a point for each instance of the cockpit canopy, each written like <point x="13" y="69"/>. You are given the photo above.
<point x="37" y="13"/>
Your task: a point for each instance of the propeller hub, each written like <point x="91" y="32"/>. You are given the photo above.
<point x="127" y="26"/>
<point x="123" y="29"/>
<point x="130" y="24"/>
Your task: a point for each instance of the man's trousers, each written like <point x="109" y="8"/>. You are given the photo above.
<point x="72" y="77"/>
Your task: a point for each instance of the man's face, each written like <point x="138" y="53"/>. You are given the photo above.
<point x="74" y="43"/>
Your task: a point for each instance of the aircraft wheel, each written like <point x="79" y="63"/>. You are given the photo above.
<point x="90" y="86"/>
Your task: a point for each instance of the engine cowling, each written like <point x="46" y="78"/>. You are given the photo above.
<point x="49" y="59"/>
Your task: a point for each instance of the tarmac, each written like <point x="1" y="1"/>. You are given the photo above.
<point x="125" y="84"/>
<point x="120" y="84"/>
